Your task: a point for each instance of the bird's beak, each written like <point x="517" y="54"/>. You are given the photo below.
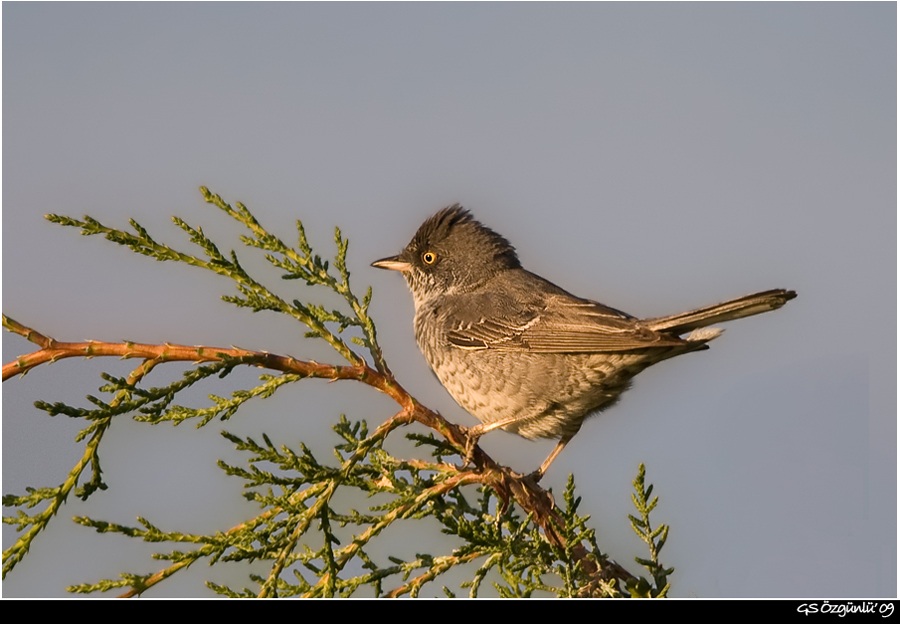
<point x="393" y="263"/>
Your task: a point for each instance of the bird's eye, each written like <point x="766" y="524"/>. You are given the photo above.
<point x="429" y="257"/>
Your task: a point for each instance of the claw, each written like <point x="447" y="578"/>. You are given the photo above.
<point x="535" y="477"/>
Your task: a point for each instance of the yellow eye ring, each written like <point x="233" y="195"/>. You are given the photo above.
<point x="429" y="257"/>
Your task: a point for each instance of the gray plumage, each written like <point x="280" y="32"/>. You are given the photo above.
<point x="520" y="353"/>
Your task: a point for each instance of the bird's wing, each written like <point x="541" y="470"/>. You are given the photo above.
<point x="561" y="324"/>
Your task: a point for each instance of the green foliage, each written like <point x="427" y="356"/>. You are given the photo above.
<point x="654" y="538"/>
<point x="504" y="532"/>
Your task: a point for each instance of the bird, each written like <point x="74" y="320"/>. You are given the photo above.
<point x="521" y="354"/>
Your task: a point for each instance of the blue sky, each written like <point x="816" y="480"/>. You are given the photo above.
<point x="654" y="157"/>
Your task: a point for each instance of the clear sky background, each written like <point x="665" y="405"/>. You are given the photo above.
<point x="655" y="157"/>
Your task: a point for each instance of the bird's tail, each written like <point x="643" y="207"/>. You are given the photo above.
<point x="747" y="305"/>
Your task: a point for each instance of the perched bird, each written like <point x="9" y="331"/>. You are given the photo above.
<point x="520" y="353"/>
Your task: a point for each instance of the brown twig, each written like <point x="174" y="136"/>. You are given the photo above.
<point x="508" y="484"/>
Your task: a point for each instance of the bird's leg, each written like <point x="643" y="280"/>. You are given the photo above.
<point x="537" y="474"/>
<point x="474" y="433"/>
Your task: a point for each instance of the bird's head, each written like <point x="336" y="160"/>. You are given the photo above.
<point x="451" y="252"/>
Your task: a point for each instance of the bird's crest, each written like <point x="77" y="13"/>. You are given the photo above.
<point x="455" y="219"/>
